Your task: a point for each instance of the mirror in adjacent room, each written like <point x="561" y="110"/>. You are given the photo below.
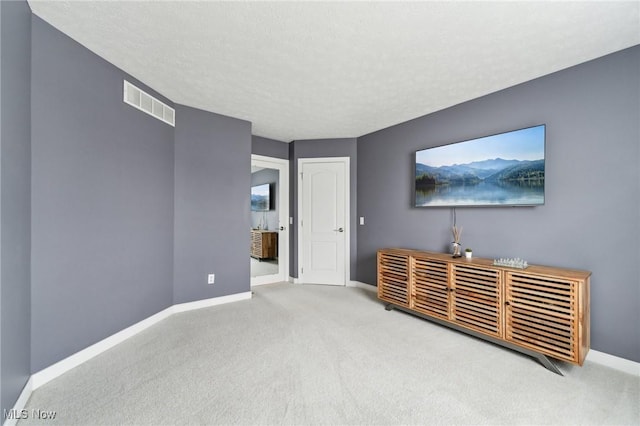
<point x="264" y="221"/>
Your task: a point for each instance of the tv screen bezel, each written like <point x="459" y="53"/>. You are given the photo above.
<point x="457" y="205"/>
<point x="268" y="185"/>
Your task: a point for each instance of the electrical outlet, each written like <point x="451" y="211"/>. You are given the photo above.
<point x="361" y="220"/>
<point x="211" y="278"/>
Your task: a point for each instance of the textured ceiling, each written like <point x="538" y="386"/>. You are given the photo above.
<point x="310" y="70"/>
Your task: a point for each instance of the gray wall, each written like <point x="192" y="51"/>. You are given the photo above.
<point x="269" y="218"/>
<point x="107" y="233"/>
<point x="590" y="219"/>
<point x="269" y="147"/>
<point x="15" y="202"/>
<point x="102" y="201"/>
<point x="311" y="148"/>
<point x="212" y="190"/>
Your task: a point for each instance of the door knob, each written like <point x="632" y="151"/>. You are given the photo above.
<point x="282" y="228"/>
<point x="339" y="230"/>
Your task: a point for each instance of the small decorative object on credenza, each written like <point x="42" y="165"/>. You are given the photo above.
<point x="514" y="262"/>
<point x="456" y="241"/>
<point x="468" y="253"/>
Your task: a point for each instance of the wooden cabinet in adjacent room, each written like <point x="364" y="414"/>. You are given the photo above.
<point x="264" y="244"/>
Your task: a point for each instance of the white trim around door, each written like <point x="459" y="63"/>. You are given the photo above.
<point x="343" y="162"/>
<point x="283" y="214"/>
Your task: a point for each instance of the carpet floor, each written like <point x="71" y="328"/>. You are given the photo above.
<point x="263" y="267"/>
<point x="305" y="354"/>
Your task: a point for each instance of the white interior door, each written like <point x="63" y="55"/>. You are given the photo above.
<point x="323" y="225"/>
<point x="282" y="166"/>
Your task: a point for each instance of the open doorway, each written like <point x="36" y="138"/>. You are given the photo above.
<point x="269" y="234"/>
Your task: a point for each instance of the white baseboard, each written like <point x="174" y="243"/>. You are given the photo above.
<point x="47" y="374"/>
<point x="20" y="403"/>
<point x="199" y="304"/>
<point x="360" y="284"/>
<point x="267" y="279"/>
<point x="259" y="283"/>
<point x="615" y="362"/>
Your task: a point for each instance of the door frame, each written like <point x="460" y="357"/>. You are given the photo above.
<point x="282" y="166"/>
<point x="347" y="213"/>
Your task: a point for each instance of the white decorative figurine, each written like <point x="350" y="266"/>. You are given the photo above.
<point x="514" y="262"/>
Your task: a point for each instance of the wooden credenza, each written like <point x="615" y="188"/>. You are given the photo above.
<point x="264" y="244"/>
<point x="540" y="311"/>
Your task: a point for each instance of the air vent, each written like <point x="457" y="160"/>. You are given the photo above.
<point x="145" y="102"/>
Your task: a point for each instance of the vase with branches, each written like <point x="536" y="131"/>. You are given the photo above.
<point x="456" y="241"/>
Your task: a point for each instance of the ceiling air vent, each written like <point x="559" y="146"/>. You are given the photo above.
<point x="145" y="102"/>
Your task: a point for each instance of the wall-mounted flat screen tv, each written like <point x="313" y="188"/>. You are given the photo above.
<point x="260" y="197"/>
<point x="506" y="169"/>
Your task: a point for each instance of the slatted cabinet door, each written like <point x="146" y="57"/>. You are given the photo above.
<point x="430" y="290"/>
<point x="393" y="278"/>
<point x="541" y="314"/>
<point x="476" y="298"/>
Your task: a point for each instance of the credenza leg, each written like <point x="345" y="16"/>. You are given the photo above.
<point x="548" y="364"/>
<point x="388" y="307"/>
